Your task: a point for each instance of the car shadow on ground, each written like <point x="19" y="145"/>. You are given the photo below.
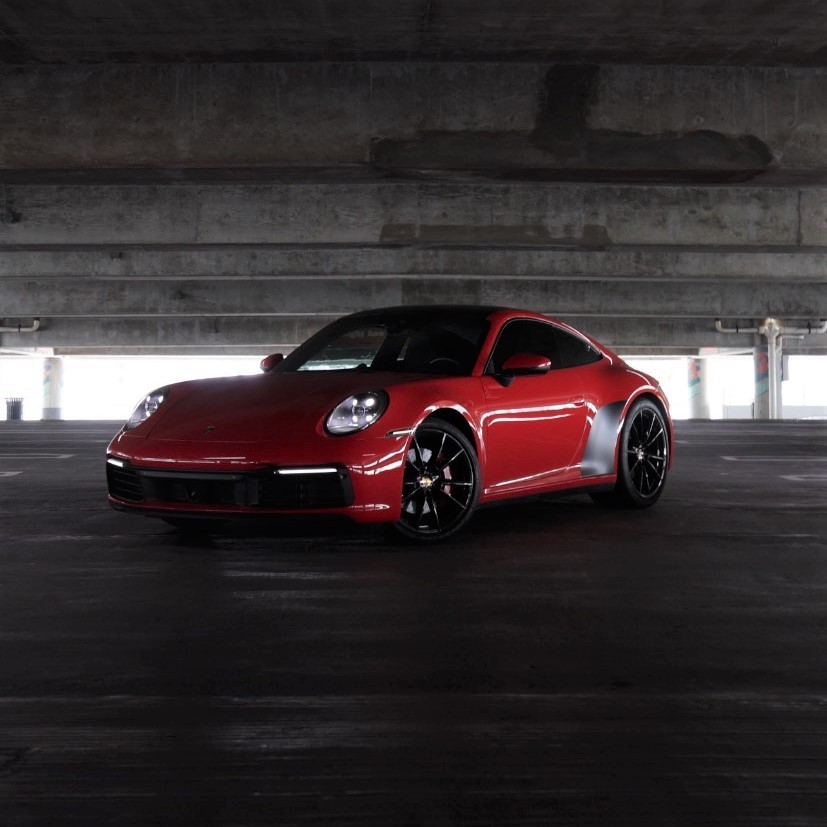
<point x="498" y="523"/>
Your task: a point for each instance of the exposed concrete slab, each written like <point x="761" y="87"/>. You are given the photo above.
<point x="784" y="109"/>
<point x="408" y="114"/>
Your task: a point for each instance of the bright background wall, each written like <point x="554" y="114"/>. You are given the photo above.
<point x="101" y="387"/>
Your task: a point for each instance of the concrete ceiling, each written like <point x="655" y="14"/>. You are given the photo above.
<point x="224" y="206"/>
<point x="688" y="32"/>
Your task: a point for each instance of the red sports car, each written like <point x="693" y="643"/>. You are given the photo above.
<point x="412" y="416"/>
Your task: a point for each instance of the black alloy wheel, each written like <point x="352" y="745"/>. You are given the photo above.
<point x="441" y="483"/>
<point x="643" y="458"/>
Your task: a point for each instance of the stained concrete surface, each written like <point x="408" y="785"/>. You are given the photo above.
<point x="691" y="32"/>
<point x="555" y="664"/>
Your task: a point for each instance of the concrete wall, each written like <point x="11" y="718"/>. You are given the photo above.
<point x="305" y="114"/>
<point x="221" y="207"/>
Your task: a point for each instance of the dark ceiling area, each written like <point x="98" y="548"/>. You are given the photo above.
<point x="683" y="32"/>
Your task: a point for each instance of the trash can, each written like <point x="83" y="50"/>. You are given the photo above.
<point x="14" y="408"/>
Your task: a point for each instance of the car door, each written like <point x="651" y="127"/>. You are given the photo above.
<point x="533" y="425"/>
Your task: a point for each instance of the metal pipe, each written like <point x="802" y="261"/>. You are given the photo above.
<point x="774" y="331"/>
<point x="721" y="329"/>
<point x="807" y="331"/>
<point x="35" y="325"/>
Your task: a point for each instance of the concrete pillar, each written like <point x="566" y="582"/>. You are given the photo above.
<point x="698" y="396"/>
<point x="52" y="388"/>
<point x="773" y="329"/>
<point x="761" y="408"/>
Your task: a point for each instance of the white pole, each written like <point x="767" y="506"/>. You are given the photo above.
<point x="52" y="388"/>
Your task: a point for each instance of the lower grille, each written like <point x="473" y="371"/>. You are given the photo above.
<point x="331" y="490"/>
<point x="209" y="489"/>
<point x="268" y="489"/>
<point x="124" y="483"/>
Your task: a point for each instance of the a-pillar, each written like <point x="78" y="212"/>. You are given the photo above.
<point x="761" y="409"/>
<point x="698" y="396"/>
<point x="52" y="388"/>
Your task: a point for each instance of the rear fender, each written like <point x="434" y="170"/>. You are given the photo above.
<point x="600" y="454"/>
<point x="601" y="447"/>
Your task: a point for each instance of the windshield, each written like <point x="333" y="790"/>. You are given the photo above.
<point x="442" y="343"/>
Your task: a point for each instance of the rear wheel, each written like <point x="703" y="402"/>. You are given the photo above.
<point x="441" y="483"/>
<point x="643" y="458"/>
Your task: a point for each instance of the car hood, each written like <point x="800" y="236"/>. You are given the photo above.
<point x="276" y="406"/>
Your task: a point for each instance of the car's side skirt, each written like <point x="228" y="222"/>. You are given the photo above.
<point x="569" y="482"/>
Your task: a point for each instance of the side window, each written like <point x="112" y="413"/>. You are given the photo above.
<point x="524" y="336"/>
<point x="574" y="351"/>
<point x="529" y="336"/>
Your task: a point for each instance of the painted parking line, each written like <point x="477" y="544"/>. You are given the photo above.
<point x="36" y="456"/>
<point x="805" y="477"/>
<point x="30" y="456"/>
<point x="790" y="459"/>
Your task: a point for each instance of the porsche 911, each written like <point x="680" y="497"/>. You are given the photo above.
<point x="411" y="416"/>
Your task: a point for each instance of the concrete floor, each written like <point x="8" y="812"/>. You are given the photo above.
<point x="556" y="664"/>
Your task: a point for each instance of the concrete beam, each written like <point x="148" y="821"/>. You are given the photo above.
<point x="746" y="33"/>
<point x="652" y="298"/>
<point x="220" y="334"/>
<point x="207" y="261"/>
<point x="414" y="213"/>
<point x="740" y="121"/>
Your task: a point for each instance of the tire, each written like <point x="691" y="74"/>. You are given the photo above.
<point x="441" y="483"/>
<point x="642" y="458"/>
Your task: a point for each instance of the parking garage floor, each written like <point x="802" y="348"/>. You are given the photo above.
<point x="556" y="664"/>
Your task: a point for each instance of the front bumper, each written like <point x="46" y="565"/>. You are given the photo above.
<point x="292" y="489"/>
<point x="357" y="478"/>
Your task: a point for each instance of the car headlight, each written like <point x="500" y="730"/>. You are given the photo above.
<point x="356" y="413"/>
<point x="146" y="407"/>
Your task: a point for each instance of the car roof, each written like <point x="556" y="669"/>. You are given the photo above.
<point x="481" y="311"/>
<point x="428" y="310"/>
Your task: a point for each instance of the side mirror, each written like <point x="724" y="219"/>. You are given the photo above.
<point x="269" y="362"/>
<point x="524" y="364"/>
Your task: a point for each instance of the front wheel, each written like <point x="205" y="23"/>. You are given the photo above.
<point x="642" y="458"/>
<point x="441" y="483"/>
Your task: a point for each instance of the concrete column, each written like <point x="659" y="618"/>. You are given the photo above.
<point x="761" y="409"/>
<point x="698" y="396"/>
<point x="52" y="388"/>
<point x="772" y="329"/>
